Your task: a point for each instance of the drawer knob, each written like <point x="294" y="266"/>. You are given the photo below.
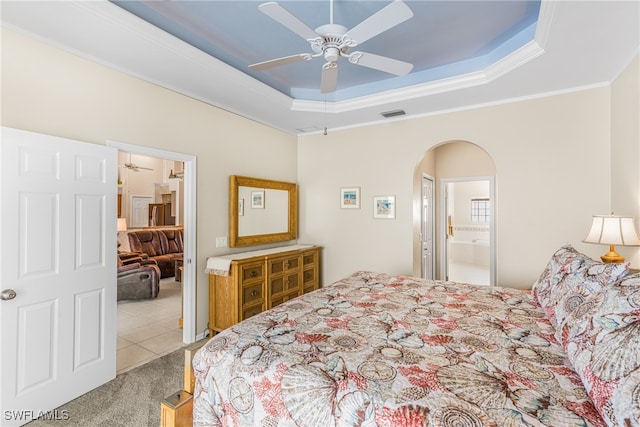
<point x="254" y="293"/>
<point x="254" y="273"/>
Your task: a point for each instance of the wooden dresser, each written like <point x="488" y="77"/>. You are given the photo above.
<point x="258" y="280"/>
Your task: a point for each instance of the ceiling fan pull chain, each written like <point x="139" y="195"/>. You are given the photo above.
<point x="325" y="116"/>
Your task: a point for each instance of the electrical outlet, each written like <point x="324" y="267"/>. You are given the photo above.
<point x="221" y="242"/>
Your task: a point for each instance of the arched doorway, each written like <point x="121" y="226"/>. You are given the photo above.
<point x="444" y="222"/>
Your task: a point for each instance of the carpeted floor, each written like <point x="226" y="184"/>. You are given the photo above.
<point x="132" y="399"/>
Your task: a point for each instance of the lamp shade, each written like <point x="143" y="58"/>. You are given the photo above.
<point x="122" y="224"/>
<point x="613" y="230"/>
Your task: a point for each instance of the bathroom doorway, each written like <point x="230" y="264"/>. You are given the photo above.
<point x="467" y="204"/>
<point x="453" y="162"/>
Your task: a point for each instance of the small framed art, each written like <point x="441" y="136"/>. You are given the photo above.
<point x="384" y="207"/>
<point x="257" y="199"/>
<point x="350" y="197"/>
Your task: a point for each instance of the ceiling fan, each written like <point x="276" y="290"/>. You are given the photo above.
<point x="133" y="166"/>
<point x="332" y="41"/>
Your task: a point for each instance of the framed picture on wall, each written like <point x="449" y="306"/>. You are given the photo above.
<point x="350" y="197"/>
<point x="384" y="207"/>
<point x="257" y="199"/>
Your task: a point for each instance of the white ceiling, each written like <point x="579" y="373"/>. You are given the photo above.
<point x="575" y="44"/>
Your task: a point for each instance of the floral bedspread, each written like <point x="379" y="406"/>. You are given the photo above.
<point x="381" y="350"/>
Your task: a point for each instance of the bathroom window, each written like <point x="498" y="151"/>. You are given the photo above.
<point x="480" y="211"/>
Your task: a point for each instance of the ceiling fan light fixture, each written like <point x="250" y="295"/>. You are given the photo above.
<point x="331" y="54"/>
<point x="393" y="113"/>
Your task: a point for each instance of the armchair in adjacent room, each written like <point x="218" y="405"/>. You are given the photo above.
<point x="138" y="278"/>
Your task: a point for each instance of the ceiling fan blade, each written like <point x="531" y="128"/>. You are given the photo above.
<point x="382" y="63"/>
<point x="283" y="16"/>
<point x="279" y="61"/>
<point x="388" y="17"/>
<point x="329" y="77"/>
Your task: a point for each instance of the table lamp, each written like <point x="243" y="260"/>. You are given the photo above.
<point x="613" y="230"/>
<point x="122" y="226"/>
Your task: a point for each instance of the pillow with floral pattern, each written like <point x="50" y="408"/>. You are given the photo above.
<point x="602" y="340"/>
<point x="569" y="278"/>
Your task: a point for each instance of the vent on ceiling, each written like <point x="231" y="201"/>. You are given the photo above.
<point x="393" y="113"/>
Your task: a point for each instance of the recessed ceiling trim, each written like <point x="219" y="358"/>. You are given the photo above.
<point x="546" y="16"/>
<point x="472" y="106"/>
<point x="509" y="63"/>
<point x="484" y="35"/>
<point x="526" y="53"/>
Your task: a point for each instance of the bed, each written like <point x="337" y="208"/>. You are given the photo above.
<point x="376" y="349"/>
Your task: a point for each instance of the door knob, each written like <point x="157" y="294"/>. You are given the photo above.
<point x="7" y="294"/>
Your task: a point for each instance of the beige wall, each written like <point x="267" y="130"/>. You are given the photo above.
<point x="552" y="162"/>
<point x="461" y="159"/>
<point x="625" y="150"/>
<point x="52" y="92"/>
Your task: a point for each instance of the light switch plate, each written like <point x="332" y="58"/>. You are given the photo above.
<point x="221" y="242"/>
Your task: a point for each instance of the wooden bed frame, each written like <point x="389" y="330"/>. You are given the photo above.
<point x="176" y="410"/>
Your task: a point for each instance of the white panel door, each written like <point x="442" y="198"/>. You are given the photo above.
<point x="427" y="227"/>
<point x="58" y="277"/>
<point x="140" y="211"/>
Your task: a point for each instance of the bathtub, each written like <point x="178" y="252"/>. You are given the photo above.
<point x="470" y="252"/>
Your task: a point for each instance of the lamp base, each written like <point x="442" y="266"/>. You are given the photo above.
<point x="612" y="256"/>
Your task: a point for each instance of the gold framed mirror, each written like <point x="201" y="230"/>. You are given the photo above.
<point x="261" y="211"/>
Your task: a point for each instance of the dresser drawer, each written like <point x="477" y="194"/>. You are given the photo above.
<point x="252" y="311"/>
<point x="282" y="265"/>
<point x="309" y="258"/>
<point x="252" y="272"/>
<point x="252" y="294"/>
<point x="285" y="283"/>
<point x="282" y="298"/>
<point x="309" y="280"/>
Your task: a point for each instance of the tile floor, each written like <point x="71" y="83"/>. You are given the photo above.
<point x="148" y="329"/>
<point x="469" y="273"/>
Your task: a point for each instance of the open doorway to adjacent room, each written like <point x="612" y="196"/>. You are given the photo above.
<point x="453" y="202"/>
<point x="155" y="190"/>
<point x="467" y="208"/>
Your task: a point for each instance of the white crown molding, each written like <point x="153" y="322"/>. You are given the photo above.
<point x="546" y="17"/>
<point x="316" y="130"/>
<point x="516" y="59"/>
